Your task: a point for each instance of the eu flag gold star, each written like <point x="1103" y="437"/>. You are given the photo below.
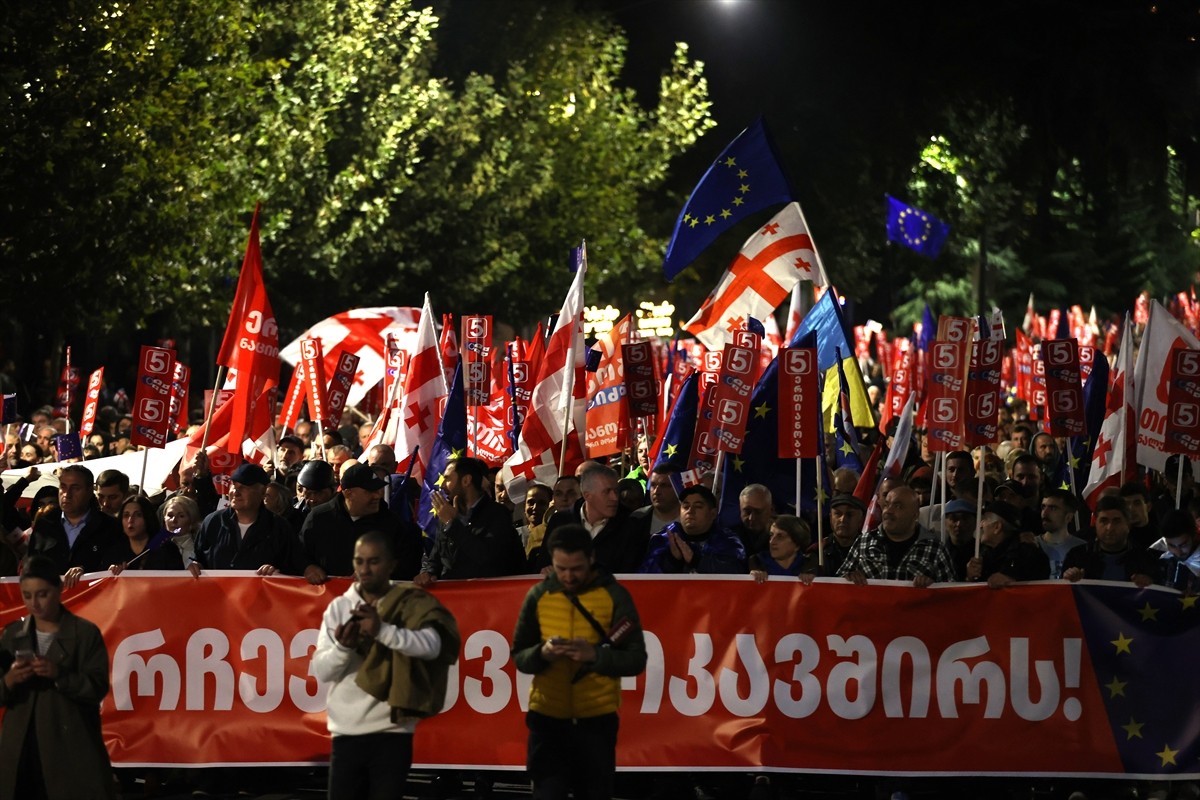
<point x="1148" y="612"/>
<point x="738" y="463"/>
<point x="743" y="174"/>
<point x="1122" y="644"/>
<point x="1167" y="755"/>
<point x="822" y="497"/>
<point x="694" y="222"/>
<point x="672" y="449"/>
<point x="1188" y="601"/>
<point x="726" y="213"/>
<point x="1133" y="730"/>
<point x="846" y="448"/>
<point x="745" y="187"/>
<point x="710" y="219"/>
<point x="737" y="201"/>
<point x="760" y="412"/>
<point x="731" y="162"/>
<point x="1116" y="687"/>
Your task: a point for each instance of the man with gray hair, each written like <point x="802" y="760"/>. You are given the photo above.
<point x="616" y="541"/>
<point x="757" y="511"/>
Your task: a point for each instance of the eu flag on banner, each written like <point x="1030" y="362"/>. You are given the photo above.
<point x="1132" y="637"/>
<point x="745" y="178"/>
<point x="451" y="443"/>
<point x="915" y="229"/>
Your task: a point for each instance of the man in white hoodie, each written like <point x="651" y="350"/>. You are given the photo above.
<point x="371" y="753"/>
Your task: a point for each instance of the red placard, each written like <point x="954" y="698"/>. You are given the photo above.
<point x="799" y="403"/>
<point x="1182" y="432"/>
<point x="152" y="401"/>
<point x="314" y="377"/>
<point x="731" y="406"/>
<point x="1037" y="383"/>
<point x="983" y="392"/>
<point x="181" y="381"/>
<point x="90" y="402"/>
<point x="477" y="346"/>
<point x="641" y="387"/>
<point x="339" y="387"/>
<point x="1087" y="357"/>
<point x="1064" y="391"/>
<point x="289" y="414"/>
<point x="396" y="364"/>
<point x="955" y="329"/>
<point x="900" y="385"/>
<point x="944" y="413"/>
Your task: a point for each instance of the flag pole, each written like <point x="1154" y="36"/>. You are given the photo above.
<point x="813" y="241"/>
<point x="142" y="482"/>
<point x="212" y="408"/>
<point x="569" y="384"/>
<point x="978" y="503"/>
<point x="820" y="507"/>
<point x="67" y="404"/>
<point x="939" y="465"/>
<point x="717" y="482"/>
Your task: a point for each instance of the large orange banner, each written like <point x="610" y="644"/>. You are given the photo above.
<point x="883" y="678"/>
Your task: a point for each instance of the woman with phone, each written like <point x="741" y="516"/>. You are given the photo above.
<point x="55" y="674"/>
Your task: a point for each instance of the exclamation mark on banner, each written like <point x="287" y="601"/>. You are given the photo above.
<point x="1072" y="708"/>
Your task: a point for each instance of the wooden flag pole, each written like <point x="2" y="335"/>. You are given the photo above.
<point x="978" y="501"/>
<point x="940" y="465"/>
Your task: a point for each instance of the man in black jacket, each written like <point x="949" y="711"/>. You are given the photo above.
<point x="618" y="542"/>
<point x="1110" y="557"/>
<point x="331" y="529"/>
<point x="475" y="537"/>
<point x="82" y="538"/>
<point x="248" y="535"/>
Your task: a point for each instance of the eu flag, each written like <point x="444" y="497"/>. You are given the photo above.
<point x="746" y="177"/>
<point x="915" y="229"/>
<point x="681" y="427"/>
<point x="451" y="443"/>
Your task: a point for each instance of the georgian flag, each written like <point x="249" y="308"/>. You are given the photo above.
<point x="413" y="423"/>
<point x="1113" y="460"/>
<point x="361" y="332"/>
<point x="772" y="261"/>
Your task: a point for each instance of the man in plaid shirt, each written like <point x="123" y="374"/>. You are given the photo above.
<point x="896" y="550"/>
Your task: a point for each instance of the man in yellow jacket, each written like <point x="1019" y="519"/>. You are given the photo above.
<point x="578" y="634"/>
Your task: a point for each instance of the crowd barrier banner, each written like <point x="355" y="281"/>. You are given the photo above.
<point x="1048" y="678"/>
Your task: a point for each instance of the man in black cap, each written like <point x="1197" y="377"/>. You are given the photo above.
<point x="1003" y="558"/>
<point x="248" y="535"/>
<point x="960" y="535"/>
<point x="331" y="529"/>
<point x="846" y="515"/>
<point x="289" y="459"/>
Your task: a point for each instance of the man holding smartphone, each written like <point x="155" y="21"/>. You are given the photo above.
<point x="578" y="634"/>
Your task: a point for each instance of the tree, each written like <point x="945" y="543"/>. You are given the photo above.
<point x="137" y="137"/>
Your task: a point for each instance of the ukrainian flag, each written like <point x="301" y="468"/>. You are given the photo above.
<point x="825" y="320"/>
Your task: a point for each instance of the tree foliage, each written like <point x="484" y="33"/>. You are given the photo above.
<point x="136" y="138"/>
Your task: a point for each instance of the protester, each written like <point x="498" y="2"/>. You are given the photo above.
<point x="1179" y="562"/>
<point x="474" y="536"/>
<point x="1110" y="557"/>
<point x="578" y="634"/>
<point x="698" y="543"/>
<point x="664" y="502"/>
<point x="181" y="516"/>
<point x="57" y="675"/>
<point x="787" y="540"/>
<point x="896" y="550"/>
<point x="363" y="633"/>
<point x="82" y="538"/>
<point x="112" y="487"/>
<point x="617" y="543"/>
<point x="756" y="510"/>
<point x="137" y="518"/>
<point x="246" y="535"/>
<point x="1004" y="559"/>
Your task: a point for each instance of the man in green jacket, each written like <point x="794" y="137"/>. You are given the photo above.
<point x="578" y="634"/>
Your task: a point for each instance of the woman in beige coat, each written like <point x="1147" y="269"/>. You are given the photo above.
<point x="55" y="673"/>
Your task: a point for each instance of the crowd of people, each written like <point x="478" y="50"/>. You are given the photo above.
<point x="301" y="513"/>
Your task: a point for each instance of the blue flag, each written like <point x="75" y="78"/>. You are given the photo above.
<point x="681" y="427"/>
<point x="825" y="320"/>
<point x="451" y="443"/>
<point x="843" y="424"/>
<point x="745" y="178"/>
<point x="928" y="330"/>
<point x="915" y="229"/>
